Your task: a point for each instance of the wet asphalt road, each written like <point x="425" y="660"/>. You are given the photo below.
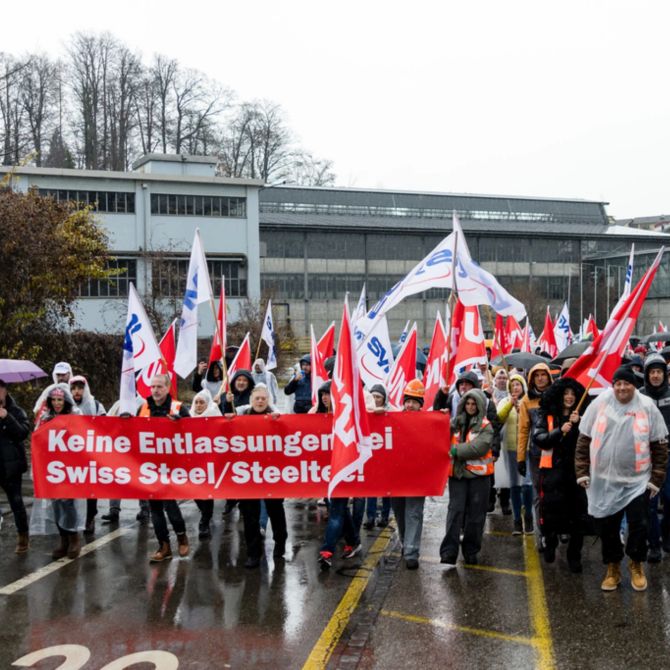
<point x="209" y="612"/>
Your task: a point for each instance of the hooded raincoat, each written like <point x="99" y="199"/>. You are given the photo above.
<point x="506" y="474"/>
<point x="88" y="406"/>
<point x="264" y="376"/>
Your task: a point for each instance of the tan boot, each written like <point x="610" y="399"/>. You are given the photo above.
<point x="163" y="553"/>
<point x="74" y="546"/>
<point x="612" y="578"/>
<point x="183" y="544"/>
<point x="61" y="550"/>
<point x="637" y="579"/>
<point x="22" y="543"/>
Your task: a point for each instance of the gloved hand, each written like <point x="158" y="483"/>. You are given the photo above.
<point x="521" y="468"/>
<point x="584" y="482"/>
<point x="653" y="490"/>
<point x="453" y="452"/>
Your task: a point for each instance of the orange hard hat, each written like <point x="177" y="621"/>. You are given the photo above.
<point x="414" y="389"/>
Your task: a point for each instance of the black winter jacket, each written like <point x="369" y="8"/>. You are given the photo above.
<point x="14" y="429"/>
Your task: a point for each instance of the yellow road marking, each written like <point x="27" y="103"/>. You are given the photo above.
<point x="499" y="533"/>
<point x="481" y="632"/>
<point x="332" y="633"/>
<point x="486" y="568"/>
<point x="537" y="604"/>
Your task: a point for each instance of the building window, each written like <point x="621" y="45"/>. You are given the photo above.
<point x="111" y="202"/>
<point x="169" y="276"/>
<point x="557" y="288"/>
<point x="165" y="204"/>
<point x="125" y="271"/>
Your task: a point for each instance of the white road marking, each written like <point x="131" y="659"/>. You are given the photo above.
<point x="60" y="563"/>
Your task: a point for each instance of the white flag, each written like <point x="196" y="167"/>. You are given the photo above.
<point x="562" y="332"/>
<point x="198" y="290"/>
<point x="375" y="357"/>
<point x="475" y="286"/>
<point x="140" y="349"/>
<point x="268" y="336"/>
<point x="404" y="334"/>
<point x="359" y="313"/>
<point x="628" y="284"/>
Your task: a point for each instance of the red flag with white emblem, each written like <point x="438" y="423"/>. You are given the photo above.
<point x="242" y="360"/>
<point x="433" y="375"/>
<point x="351" y="442"/>
<point x="168" y="348"/>
<point x="326" y="344"/>
<point x="403" y="370"/>
<point x="319" y="374"/>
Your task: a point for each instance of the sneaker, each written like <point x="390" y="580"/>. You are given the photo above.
<point x="507" y="510"/>
<point x="369" y="525"/>
<point x="528" y="525"/>
<point x="518" y="527"/>
<point x="325" y="559"/>
<point x="637" y="579"/>
<point x="321" y="502"/>
<point x="564" y="539"/>
<point x="112" y="517"/>
<point x="143" y="516"/>
<point x="549" y="554"/>
<point x="612" y="578"/>
<point x="350" y="552"/>
<point x="449" y="561"/>
<point x="412" y="563"/>
<point x="655" y="555"/>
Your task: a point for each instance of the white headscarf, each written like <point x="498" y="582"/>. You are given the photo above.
<point x="88" y="405"/>
<point x="267" y="378"/>
<point x="211" y="409"/>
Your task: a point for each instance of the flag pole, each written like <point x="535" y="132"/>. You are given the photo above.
<point x="451" y="303"/>
<point x="260" y="339"/>
<point x="219" y="335"/>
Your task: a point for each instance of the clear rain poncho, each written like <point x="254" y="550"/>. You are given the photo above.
<point x="619" y="451"/>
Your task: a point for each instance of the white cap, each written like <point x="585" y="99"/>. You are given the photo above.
<point x="62" y="368"/>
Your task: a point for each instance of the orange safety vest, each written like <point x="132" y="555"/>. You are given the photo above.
<point x="547" y="454"/>
<point x="175" y="406"/>
<point x="480" y="466"/>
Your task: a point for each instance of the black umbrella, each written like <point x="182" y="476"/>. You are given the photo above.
<point x="420" y="356"/>
<point x="574" y="350"/>
<point x="665" y="352"/>
<point x="521" y="359"/>
<point x="656" y="337"/>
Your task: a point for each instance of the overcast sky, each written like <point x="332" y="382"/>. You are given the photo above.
<point x="566" y="99"/>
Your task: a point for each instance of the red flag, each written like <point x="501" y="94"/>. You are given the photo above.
<point x="433" y="374"/>
<point x="403" y="370"/>
<point x="592" y="328"/>
<point x="351" y="442"/>
<point x="525" y="340"/>
<point x="499" y="347"/>
<point x="471" y="344"/>
<point x="453" y="328"/>
<point x="242" y="360"/>
<point x="514" y="334"/>
<point x="219" y="343"/>
<point x="597" y="365"/>
<point x="326" y="344"/>
<point x="547" y="339"/>
<point x="168" y="348"/>
<point x="319" y="374"/>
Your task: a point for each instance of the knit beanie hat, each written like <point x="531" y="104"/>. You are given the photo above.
<point x="625" y="373"/>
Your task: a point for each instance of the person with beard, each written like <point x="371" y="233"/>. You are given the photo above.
<point x="241" y="385"/>
<point x="562" y="506"/>
<point x="656" y="387"/>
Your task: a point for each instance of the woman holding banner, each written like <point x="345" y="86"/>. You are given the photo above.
<point x="65" y="513"/>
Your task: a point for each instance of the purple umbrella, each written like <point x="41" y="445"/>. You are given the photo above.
<point x="12" y="371"/>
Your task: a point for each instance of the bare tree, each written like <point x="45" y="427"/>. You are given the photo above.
<point x="14" y="137"/>
<point x="270" y="139"/>
<point x="307" y="170"/>
<point x="164" y="71"/>
<point x="39" y="95"/>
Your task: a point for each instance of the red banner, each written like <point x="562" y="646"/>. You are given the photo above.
<point x="244" y="457"/>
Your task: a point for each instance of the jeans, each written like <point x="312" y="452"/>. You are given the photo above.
<point x="342" y="522"/>
<point x="206" y="508"/>
<point x="371" y="509"/>
<point x="659" y="532"/>
<point x="637" y="515"/>
<point x="158" y="510"/>
<point x="468" y="502"/>
<point x="12" y="489"/>
<point x="522" y="495"/>
<point x="251" y="513"/>
<point x="409" y="517"/>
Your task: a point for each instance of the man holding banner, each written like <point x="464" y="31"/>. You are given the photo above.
<point x="161" y="404"/>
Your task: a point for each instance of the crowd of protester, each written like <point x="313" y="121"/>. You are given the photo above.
<point x="561" y="464"/>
